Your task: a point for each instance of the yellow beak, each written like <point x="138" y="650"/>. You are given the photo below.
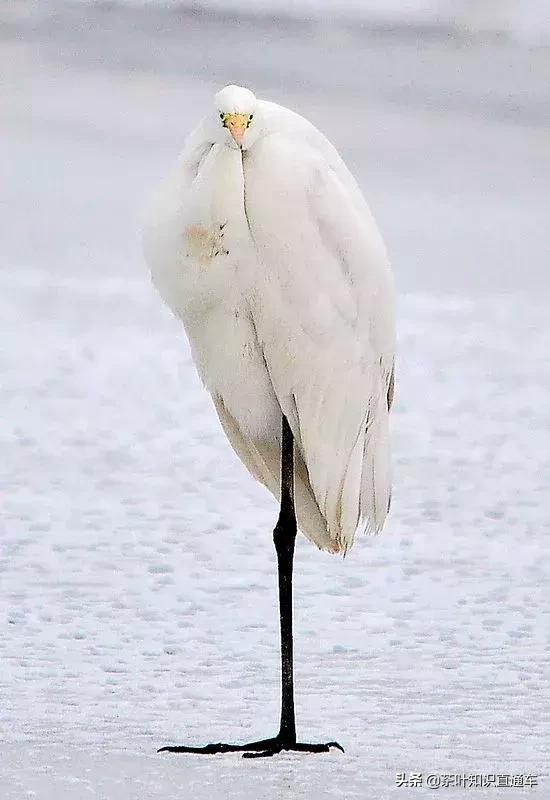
<point x="237" y="125"/>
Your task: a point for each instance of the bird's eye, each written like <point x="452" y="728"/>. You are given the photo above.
<point x="251" y="116"/>
<point x="222" y="115"/>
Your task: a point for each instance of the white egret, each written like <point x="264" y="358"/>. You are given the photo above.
<point x="262" y="243"/>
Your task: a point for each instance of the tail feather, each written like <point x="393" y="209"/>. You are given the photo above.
<point x="363" y="498"/>
<point x="367" y="484"/>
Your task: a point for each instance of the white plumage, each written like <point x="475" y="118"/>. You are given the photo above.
<point x="262" y="243"/>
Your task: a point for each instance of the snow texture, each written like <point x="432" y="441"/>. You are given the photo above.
<point x="137" y="573"/>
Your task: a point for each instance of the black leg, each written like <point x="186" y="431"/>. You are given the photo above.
<point x="284" y="537"/>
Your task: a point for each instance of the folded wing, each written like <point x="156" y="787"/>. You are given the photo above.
<point x="323" y="308"/>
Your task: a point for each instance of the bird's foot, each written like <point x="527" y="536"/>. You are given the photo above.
<point x="260" y="749"/>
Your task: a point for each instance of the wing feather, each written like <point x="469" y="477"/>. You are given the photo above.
<point x="323" y="310"/>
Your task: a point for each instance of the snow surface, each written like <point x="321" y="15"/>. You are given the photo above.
<point x="137" y="573"/>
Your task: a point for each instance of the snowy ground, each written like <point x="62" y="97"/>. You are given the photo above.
<point x="137" y="580"/>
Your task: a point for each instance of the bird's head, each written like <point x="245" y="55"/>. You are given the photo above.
<point x="237" y="116"/>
